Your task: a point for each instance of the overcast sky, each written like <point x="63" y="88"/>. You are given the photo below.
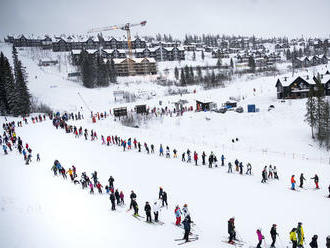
<point x="265" y="18"/>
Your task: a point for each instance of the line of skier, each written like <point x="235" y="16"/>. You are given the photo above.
<point x="9" y="140"/>
<point x="296" y="235"/>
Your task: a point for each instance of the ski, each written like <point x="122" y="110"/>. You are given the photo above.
<point x="236" y="244"/>
<point x="190" y="240"/>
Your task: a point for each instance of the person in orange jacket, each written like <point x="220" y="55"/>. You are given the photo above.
<point x="293" y="183"/>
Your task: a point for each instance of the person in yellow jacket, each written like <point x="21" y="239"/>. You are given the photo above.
<point x="70" y="171"/>
<point x="293" y="237"/>
<point x="300" y="233"/>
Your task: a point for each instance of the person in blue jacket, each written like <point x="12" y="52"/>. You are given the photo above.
<point x="161" y="151"/>
<point x="187" y="226"/>
<point x="222" y="160"/>
<point x="4" y="147"/>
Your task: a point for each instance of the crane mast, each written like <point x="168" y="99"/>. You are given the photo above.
<point x="127" y="28"/>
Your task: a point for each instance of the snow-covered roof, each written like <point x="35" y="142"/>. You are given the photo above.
<point x="76" y="51"/>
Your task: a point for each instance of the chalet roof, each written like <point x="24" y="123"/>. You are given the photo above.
<point x="136" y="60"/>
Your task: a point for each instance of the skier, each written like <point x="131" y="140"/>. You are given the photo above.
<point x="293" y="237"/>
<point x="38" y="157"/>
<point x="113" y="203"/>
<point x="293" y="182"/>
<point x="275" y="173"/>
<point x="231" y="230"/>
<point x="70" y="172"/>
<point x="121" y="195"/>
<point x="203" y="158"/>
<point x="195" y="157"/>
<point x="210" y="160"/>
<point x="230" y="170"/>
<point x="302" y="178"/>
<point x="186" y="225"/>
<point x="99" y="187"/>
<point x="161" y="151"/>
<point x="313" y="243"/>
<point x="316" y="181"/>
<point x="117" y="197"/>
<point x="152" y="148"/>
<point x="260" y="237"/>
<point x="183" y="159"/>
<point x="177" y="213"/>
<point x="175" y="155"/>
<point x="329" y="191"/>
<point x="132" y="196"/>
<point x="135" y="207"/>
<point x="248" y="169"/>
<point x="222" y="160"/>
<point x="300" y="234"/>
<point x="168" y="152"/>
<point x="156" y="210"/>
<point x="189" y="157"/>
<point x="328" y="239"/>
<point x="185" y="211"/>
<point x="111" y="180"/>
<point x="160" y="194"/>
<point x="264" y="175"/>
<point x="236" y="163"/>
<point x="273" y="234"/>
<point x="147" y="209"/>
<point x="164" y="199"/>
<point x="270" y="172"/>
<point x="91" y="188"/>
<point x="4" y="147"/>
<point x="241" y="168"/>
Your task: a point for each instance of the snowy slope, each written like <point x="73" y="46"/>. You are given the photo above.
<point x="56" y="208"/>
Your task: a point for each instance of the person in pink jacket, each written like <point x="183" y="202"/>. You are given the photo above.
<point x="260" y="237"/>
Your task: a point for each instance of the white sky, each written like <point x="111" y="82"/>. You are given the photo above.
<point x="292" y="18"/>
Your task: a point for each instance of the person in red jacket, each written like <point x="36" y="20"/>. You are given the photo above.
<point x="108" y="140"/>
<point x="316" y="181"/>
<point x="195" y="157"/>
<point x="293" y="183"/>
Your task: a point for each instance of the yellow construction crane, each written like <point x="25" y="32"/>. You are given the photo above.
<point x="127" y="27"/>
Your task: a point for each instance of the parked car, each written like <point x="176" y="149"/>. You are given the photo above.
<point x="239" y="110"/>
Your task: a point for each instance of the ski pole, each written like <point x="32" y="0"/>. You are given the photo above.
<point x="281" y="243"/>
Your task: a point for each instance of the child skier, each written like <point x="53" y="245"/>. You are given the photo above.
<point x="147" y="209"/>
<point x="260" y="238"/>
<point x="293" y="182"/>
<point x="177" y="213"/>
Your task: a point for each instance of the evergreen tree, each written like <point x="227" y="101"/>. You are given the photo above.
<point x="199" y="72"/>
<point x="23" y="102"/>
<point x="288" y="54"/>
<point x="176" y="73"/>
<point x="87" y="70"/>
<point x="310" y="115"/>
<point x="192" y="76"/>
<point x="320" y="105"/>
<point x="187" y="75"/>
<point x="252" y="64"/>
<point x="6" y="81"/>
<point x="112" y="71"/>
<point x="219" y="63"/>
<point x="183" y="78"/>
<point x="231" y="63"/>
<point x="102" y="72"/>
